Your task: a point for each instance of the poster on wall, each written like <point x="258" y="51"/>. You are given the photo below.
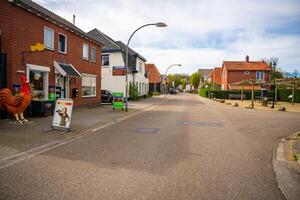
<point x="62" y="114"/>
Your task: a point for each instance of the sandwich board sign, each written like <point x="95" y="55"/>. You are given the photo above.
<point x="62" y="114"/>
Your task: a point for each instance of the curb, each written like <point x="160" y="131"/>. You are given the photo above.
<point x="285" y="174"/>
<point x="14" y="159"/>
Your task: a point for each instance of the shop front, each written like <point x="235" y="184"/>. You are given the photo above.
<point x="45" y="92"/>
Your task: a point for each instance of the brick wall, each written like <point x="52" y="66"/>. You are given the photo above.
<point x="21" y="29"/>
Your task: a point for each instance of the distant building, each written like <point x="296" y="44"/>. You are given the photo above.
<point x="236" y="71"/>
<point x="215" y="78"/>
<point x="205" y="76"/>
<point x="154" y="78"/>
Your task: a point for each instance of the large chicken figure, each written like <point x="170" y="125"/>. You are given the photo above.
<point x="16" y="104"/>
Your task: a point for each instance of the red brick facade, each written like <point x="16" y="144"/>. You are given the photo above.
<point x="20" y="29"/>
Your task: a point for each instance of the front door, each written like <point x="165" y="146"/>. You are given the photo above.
<point x="62" y="82"/>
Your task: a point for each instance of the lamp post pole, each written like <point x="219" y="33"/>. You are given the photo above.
<point x="274" y="84"/>
<point x="166" y="75"/>
<point x="158" y="24"/>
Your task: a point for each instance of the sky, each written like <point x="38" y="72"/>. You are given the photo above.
<point x="200" y="33"/>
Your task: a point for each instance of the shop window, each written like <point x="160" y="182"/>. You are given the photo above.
<point x="88" y="86"/>
<point x="105" y="59"/>
<point x="37" y="79"/>
<point x="62" y="43"/>
<point x="49" y="38"/>
<point x="93" y="54"/>
<point x="85" y="51"/>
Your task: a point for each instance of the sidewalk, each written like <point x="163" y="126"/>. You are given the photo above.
<point x="15" y="138"/>
<point x="286" y="166"/>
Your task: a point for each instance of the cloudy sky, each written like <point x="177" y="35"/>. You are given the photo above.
<point x="200" y="33"/>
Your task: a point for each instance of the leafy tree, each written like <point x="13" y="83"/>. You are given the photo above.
<point x="195" y="79"/>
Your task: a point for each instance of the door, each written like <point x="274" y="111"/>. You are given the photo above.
<point x="63" y="82"/>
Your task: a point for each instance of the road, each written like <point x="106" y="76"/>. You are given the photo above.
<point x="184" y="148"/>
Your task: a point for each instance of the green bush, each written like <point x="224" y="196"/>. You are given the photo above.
<point x="283" y="95"/>
<point x="203" y="92"/>
<point x="133" y="92"/>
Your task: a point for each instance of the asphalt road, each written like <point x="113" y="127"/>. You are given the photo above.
<point x="185" y="148"/>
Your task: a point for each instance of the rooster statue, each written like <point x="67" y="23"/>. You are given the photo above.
<point x="16" y="104"/>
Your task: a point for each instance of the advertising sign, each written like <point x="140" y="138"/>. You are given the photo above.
<point x="118" y="100"/>
<point x="62" y="113"/>
<point x="119" y="70"/>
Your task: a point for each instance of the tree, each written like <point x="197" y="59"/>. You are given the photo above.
<point x="273" y="63"/>
<point x="195" y="79"/>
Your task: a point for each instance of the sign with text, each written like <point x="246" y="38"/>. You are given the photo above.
<point x="62" y="113"/>
<point x="119" y="70"/>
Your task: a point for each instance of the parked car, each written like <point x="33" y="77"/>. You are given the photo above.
<point x="106" y="96"/>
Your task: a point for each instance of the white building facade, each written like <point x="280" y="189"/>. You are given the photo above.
<point x="113" y="76"/>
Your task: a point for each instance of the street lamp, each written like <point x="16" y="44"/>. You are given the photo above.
<point x="167" y="75"/>
<point x="158" y="24"/>
<point x="274" y="83"/>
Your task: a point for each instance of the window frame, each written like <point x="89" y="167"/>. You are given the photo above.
<point x="261" y="74"/>
<point x="90" y="76"/>
<point x="66" y="43"/>
<point x="93" y="61"/>
<point x="88" y="46"/>
<point x="102" y="55"/>
<point x="247" y="72"/>
<point x="47" y="47"/>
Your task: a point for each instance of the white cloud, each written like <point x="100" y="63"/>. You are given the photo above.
<point x="200" y="33"/>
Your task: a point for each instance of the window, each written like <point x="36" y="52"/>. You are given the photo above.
<point x="93" y="54"/>
<point x="246" y="72"/>
<point x="260" y="75"/>
<point x="105" y="59"/>
<point x="88" y="86"/>
<point x="62" y="43"/>
<point x="85" y="51"/>
<point x="140" y="66"/>
<point x="49" y="38"/>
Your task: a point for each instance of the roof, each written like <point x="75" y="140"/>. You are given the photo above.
<point x="205" y="72"/>
<point x="109" y="44"/>
<point x="52" y="17"/>
<point x="244" y="65"/>
<point x="246" y="87"/>
<point x="130" y="51"/>
<point x="154" y="75"/>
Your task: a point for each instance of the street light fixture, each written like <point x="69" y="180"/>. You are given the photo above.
<point x="179" y="65"/>
<point x="158" y="24"/>
<point x="274" y="83"/>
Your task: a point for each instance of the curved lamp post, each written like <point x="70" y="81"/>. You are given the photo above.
<point x="167" y="75"/>
<point x="158" y="24"/>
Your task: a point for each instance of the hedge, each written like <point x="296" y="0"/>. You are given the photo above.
<point x="282" y="94"/>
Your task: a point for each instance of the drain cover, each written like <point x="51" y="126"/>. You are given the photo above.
<point x="146" y="130"/>
<point x="194" y="123"/>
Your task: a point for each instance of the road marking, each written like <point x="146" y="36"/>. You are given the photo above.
<point x="16" y="158"/>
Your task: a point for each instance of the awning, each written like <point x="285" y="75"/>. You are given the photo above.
<point x="66" y="69"/>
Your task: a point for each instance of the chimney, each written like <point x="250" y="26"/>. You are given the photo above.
<point x="74" y="17"/>
<point x="247" y="58"/>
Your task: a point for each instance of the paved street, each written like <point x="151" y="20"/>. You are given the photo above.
<point x="185" y="148"/>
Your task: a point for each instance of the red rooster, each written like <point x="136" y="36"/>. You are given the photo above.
<point x="16" y="104"/>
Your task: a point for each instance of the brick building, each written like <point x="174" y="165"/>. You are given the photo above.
<point x="236" y="71"/>
<point x="215" y="77"/>
<point x="154" y="78"/>
<point x="70" y="65"/>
